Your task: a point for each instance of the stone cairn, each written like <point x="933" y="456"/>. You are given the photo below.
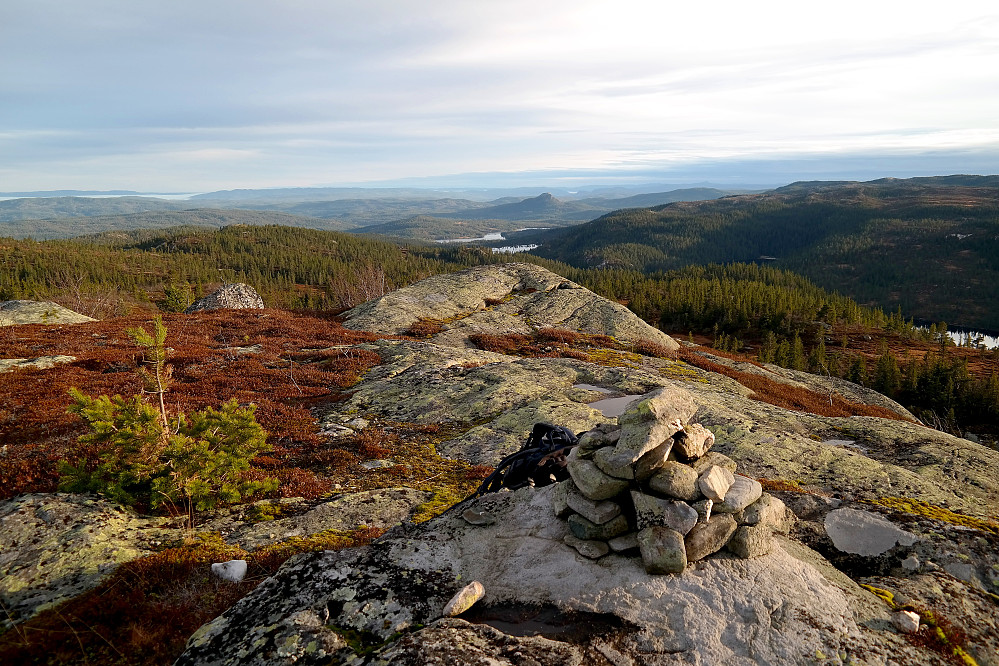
<point x="651" y="484"/>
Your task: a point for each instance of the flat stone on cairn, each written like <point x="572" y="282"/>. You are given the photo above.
<point x="652" y="484"/>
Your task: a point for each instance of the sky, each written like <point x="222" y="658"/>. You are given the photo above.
<point x="181" y="96"/>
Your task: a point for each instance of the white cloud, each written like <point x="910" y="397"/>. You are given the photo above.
<point x="315" y="91"/>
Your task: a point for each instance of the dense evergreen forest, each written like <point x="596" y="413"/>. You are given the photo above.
<point x="927" y="245"/>
<point x="776" y="315"/>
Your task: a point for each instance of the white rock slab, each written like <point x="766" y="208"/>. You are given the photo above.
<point x="864" y="533"/>
<point x="233" y="570"/>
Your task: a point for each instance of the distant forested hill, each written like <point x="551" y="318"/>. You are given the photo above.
<point x="39" y="208"/>
<point x="69" y="227"/>
<point x="929" y="245"/>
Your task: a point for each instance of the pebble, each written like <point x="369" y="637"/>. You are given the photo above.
<point x="906" y="621"/>
<point x="464" y="599"/>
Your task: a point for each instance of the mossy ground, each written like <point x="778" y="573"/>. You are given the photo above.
<point x="926" y="510"/>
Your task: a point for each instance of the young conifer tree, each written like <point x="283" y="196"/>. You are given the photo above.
<point x="146" y="455"/>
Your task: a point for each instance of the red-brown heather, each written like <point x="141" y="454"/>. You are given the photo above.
<point x="294" y="370"/>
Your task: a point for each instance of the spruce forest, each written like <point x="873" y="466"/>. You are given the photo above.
<point x="758" y="311"/>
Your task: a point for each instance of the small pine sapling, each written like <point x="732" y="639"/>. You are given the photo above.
<point x="144" y="455"/>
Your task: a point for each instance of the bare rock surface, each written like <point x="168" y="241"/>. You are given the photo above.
<point x="236" y="296"/>
<point x="498" y="398"/>
<point x="775" y="609"/>
<point x="501" y="298"/>
<point x="373" y="508"/>
<point x="13" y="313"/>
<point x="37" y="363"/>
<point x="54" y="547"/>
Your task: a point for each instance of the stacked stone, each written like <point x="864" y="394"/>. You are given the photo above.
<point x="651" y="483"/>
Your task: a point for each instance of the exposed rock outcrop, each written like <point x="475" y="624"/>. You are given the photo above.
<point x="773" y="609"/>
<point x="38" y="363"/>
<point x="236" y="296"/>
<point x="13" y="313"/>
<point x="505" y="298"/>
<point x="53" y="547"/>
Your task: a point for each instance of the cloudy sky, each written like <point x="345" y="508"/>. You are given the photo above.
<point x="175" y="95"/>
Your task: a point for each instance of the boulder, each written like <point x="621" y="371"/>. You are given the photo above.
<point x="692" y="442"/>
<point x="652" y="461"/>
<point x="464" y="599"/>
<point x="37" y="363"/>
<point x="590" y="531"/>
<point x="768" y="510"/>
<point x="596" y="512"/>
<point x="590" y="549"/>
<point x="233" y="571"/>
<point x="54" y="547"/>
<point x="713" y="458"/>
<point x="236" y="296"/>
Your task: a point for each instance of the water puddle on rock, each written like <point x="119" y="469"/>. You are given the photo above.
<point x="614" y="406"/>
<point x="609" y="406"/>
<point x="847" y="444"/>
<point x="547" y="621"/>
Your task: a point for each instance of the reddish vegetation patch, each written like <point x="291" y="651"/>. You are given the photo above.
<point x="295" y="369"/>
<point x="790" y="397"/>
<point x="425" y="328"/>
<point x="148" y="608"/>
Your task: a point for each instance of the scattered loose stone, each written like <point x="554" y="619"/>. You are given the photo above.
<point x="906" y="621"/>
<point x="707" y="538"/>
<point x="653" y="511"/>
<point x="743" y="492"/>
<point x="911" y="563"/>
<point x="590" y="549"/>
<point x="596" y="512"/>
<point x="662" y="550"/>
<point x="715" y="482"/>
<point x="693" y="441"/>
<point x="751" y="541"/>
<point x="233" y="570"/>
<point x="624" y="543"/>
<point x="590" y="531"/>
<point x="473" y="517"/>
<point x="591" y="481"/>
<point x="464" y="599"/>
<point x="675" y="480"/>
